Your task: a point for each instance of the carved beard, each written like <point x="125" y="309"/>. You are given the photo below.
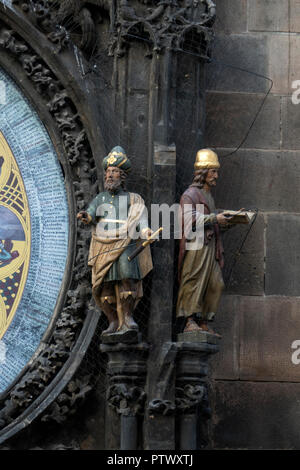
<point x="112" y="186"/>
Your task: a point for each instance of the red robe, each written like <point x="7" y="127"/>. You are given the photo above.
<point x="194" y="196"/>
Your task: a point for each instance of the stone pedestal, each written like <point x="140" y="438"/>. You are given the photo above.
<point x="192" y="403"/>
<point x="126" y="375"/>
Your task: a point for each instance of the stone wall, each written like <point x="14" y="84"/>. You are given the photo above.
<point x="256" y="385"/>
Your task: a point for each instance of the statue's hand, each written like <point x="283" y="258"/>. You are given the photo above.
<point x="146" y="233"/>
<point x="84" y="217"/>
<point x="222" y="220"/>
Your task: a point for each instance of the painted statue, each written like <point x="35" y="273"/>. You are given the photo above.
<point x="119" y="223"/>
<point x="200" y="276"/>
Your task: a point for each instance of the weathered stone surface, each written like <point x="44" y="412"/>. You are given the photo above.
<point x="138" y="69"/>
<point x="294" y="16"/>
<point x="244" y="258"/>
<point x="294" y="71"/>
<point x="236" y="55"/>
<point x="279" y="56"/>
<point x="253" y="178"/>
<point x="283" y="254"/>
<point x="256" y="416"/>
<point x="225" y="364"/>
<point x="290" y="124"/>
<point x="269" y="15"/>
<point x="160" y="426"/>
<point x="257" y="57"/>
<point x="198" y="337"/>
<point x="268" y="328"/>
<point x="231" y="16"/>
<point x="257" y="336"/>
<point x="230" y="116"/>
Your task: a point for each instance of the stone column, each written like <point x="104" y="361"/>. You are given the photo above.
<point x="126" y="375"/>
<point x="192" y="384"/>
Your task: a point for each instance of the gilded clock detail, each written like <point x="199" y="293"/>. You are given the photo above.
<point x="15" y="235"/>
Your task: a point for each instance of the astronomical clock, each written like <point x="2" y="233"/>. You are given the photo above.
<point x="33" y="231"/>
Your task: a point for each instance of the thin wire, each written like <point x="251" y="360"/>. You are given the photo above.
<point x="228" y="278"/>
<point x="260" y="107"/>
<point x="241" y="69"/>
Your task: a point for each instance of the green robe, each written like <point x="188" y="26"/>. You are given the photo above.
<point x="116" y="208"/>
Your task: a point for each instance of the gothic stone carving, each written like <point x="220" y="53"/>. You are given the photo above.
<point x="126" y="400"/>
<point x="126" y="373"/>
<point x="68" y="402"/>
<point x="163" y="24"/>
<point x="161" y="407"/>
<point x="191" y="398"/>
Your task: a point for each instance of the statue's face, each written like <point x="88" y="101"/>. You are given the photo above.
<point x="112" y="174"/>
<point x="112" y="178"/>
<point x="212" y="176"/>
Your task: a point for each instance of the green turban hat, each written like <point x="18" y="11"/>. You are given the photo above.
<point x="117" y="157"/>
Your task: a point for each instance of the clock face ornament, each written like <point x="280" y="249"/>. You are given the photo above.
<point x="34" y="221"/>
<point x="15" y="236"/>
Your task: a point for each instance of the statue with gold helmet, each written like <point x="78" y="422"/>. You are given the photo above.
<point x="119" y="222"/>
<point x="199" y="270"/>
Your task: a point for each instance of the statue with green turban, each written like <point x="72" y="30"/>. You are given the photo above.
<point x="119" y="223"/>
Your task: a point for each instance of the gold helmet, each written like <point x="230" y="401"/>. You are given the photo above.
<point x="206" y="159"/>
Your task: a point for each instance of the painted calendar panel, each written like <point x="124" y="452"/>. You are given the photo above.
<point x="34" y="221"/>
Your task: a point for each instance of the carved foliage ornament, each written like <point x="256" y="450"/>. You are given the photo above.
<point x="58" y="347"/>
<point x="191" y="397"/>
<point x="163" y="24"/>
<point x="126" y="400"/>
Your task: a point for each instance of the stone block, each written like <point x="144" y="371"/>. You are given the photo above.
<point x="231" y="16"/>
<point x="290" y="124"/>
<point x="257" y="57"/>
<point x="225" y="364"/>
<point x="244" y="258"/>
<point x="268" y="327"/>
<point x="253" y="178"/>
<point x="198" y="337"/>
<point x="230" y="116"/>
<point x="164" y="155"/>
<point x="257" y="337"/>
<point x="249" y="415"/>
<point x="283" y="254"/>
<point x="128" y="337"/>
<point x="235" y="56"/>
<point x="294" y="71"/>
<point x="268" y="15"/>
<point x="294" y="16"/>
<point x="279" y="54"/>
